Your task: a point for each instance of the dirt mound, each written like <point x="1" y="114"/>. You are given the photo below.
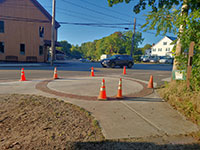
<point x="36" y="122"/>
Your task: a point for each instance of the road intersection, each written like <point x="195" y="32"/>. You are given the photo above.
<point x="146" y="115"/>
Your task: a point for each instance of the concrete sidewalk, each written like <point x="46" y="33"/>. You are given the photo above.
<point x="133" y="118"/>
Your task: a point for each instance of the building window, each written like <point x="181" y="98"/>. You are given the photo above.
<point x="164" y="43"/>
<point x="1" y="26"/>
<point x="154" y="49"/>
<point x="41" y="50"/>
<point x="41" y="31"/>
<point x="22" y="49"/>
<point x="167" y="49"/>
<point x="1" y="47"/>
<point x="159" y="49"/>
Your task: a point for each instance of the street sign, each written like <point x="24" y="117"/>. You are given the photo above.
<point x="179" y="75"/>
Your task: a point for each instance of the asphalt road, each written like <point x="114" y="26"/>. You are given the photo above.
<point x="76" y="68"/>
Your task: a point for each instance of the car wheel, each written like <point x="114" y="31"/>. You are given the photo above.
<point x="130" y="65"/>
<point x="104" y="66"/>
<point x="112" y="65"/>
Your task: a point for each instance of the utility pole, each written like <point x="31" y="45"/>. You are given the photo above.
<point x="133" y="37"/>
<point x="189" y="67"/>
<point x="53" y="32"/>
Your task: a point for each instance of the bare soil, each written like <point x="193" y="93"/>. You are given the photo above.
<point x="29" y="122"/>
<point x="35" y="122"/>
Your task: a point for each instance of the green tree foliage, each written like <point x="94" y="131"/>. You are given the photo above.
<point x="147" y="46"/>
<point x="65" y="47"/>
<point x="75" y="52"/>
<point x="116" y="43"/>
<point x="180" y="17"/>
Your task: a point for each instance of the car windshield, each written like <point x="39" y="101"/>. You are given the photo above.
<point x="113" y="57"/>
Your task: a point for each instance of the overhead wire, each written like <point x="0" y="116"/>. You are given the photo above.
<point x="68" y="12"/>
<point x="94" y="11"/>
<point x="106" y="8"/>
<point x="105" y="25"/>
<point x="113" y="11"/>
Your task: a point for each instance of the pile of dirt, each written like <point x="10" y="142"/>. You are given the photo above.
<point x="36" y="122"/>
<point x="29" y="122"/>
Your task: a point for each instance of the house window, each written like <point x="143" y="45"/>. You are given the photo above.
<point x="41" y="31"/>
<point x="159" y="49"/>
<point x="41" y="50"/>
<point x="22" y="49"/>
<point x="1" y="26"/>
<point x="1" y="47"/>
<point x="167" y="49"/>
<point x="154" y="49"/>
<point x="164" y="43"/>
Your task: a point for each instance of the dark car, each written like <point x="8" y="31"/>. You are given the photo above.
<point x="118" y="60"/>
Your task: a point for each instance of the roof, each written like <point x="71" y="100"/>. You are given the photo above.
<point x="171" y="38"/>
<point x="41" y="8"/>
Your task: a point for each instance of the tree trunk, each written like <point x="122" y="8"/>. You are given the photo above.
<point x="184" y="13"/>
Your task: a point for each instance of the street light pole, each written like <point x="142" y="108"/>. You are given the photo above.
<point x="133" y="37"/>
<point x="53" y="32"/>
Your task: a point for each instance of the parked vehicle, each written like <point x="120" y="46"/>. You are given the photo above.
<point x="104" y="56"/>
<point x="154" y="59"/>
<point x="145" y="58"/>
<point x="166" y="60"/>
<point x="118" y="60"/>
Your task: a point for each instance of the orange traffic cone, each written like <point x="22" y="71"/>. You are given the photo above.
<point x="102" y="93"/>
<point x="55" y="76"/>
<point x="124" y="72"/>
<point x="23" y="78"/>
<point x="150" y="85"/>
<point x="92" y="72"/>
<point x="119" y="94"/>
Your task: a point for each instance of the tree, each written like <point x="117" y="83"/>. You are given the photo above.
<point x="180" y="17"/>
<point x="128" y="41"/>
<point x="76" y="52"/>
<point x="147" y="46"/>
<point x="65" y="47"/>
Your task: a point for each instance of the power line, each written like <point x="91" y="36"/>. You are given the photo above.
<point x="70" y="13"/>
<point x="45" y="21"/>
<point x="97" y="23"/>
<point x="105" y="8"/>
<point x="94" y="11"/>
<point x="113" y="11"/>
<point x="83" y="18"/>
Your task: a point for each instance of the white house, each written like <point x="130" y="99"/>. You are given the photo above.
<point x="148" y="52"/>
<point x="163" y="47"/>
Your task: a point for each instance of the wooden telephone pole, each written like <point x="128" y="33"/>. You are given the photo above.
<point x="189" y="67"/>
<point x="133" y="38"/>
<point x="53" y="32"/>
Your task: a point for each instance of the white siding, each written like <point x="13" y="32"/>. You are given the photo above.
<point x="163" y="47"/>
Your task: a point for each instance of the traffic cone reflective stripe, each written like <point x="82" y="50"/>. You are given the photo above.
<point x="124" y="72"/>
<point x="150" y="85"/>
<point x="55" y="76"/>
<point x="92" y="72"/>
<point x="119" y="94"/>
<point x="102" y="93"/>
<point x="23" y="78"/>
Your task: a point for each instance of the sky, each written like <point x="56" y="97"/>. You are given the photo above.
<point x="97" y="11"/>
